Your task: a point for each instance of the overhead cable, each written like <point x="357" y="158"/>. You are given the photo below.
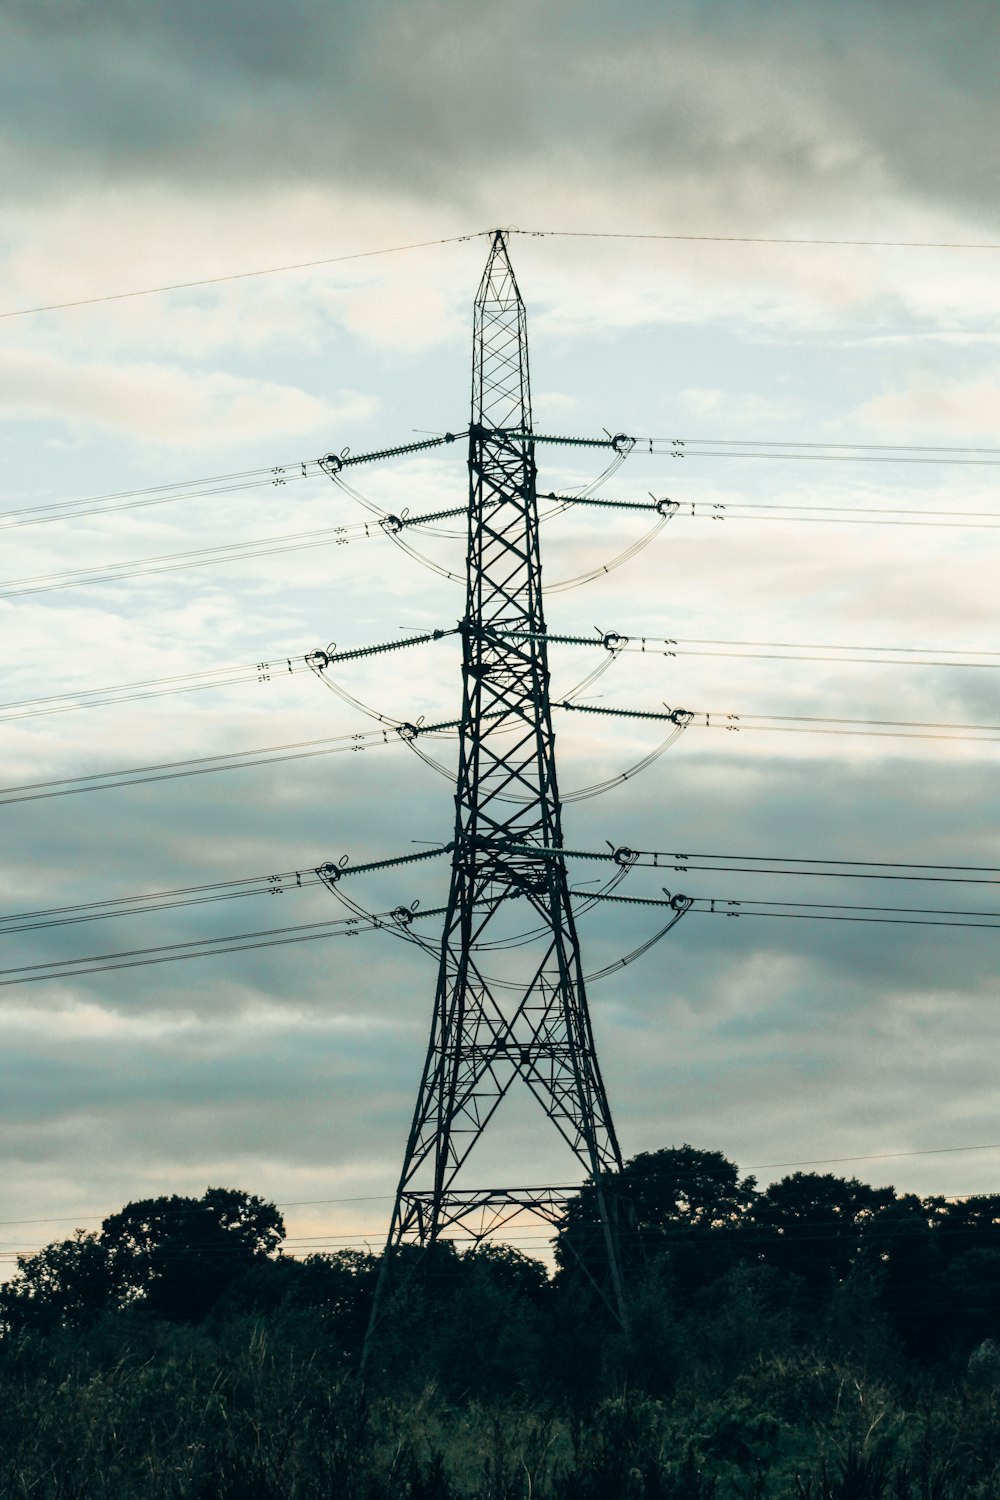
<point x="302" y="265"/>
<point x="397" y="921"/>
<point x="279" y="475"/>
<point x="238" y="942"/>
<point x="456" y="239"/>
<point x="199" y="557"/>
<point x="821" y="1161"/>
<point x="274" y="884"/>
<point x="818" y="445"/>
<point x="295" y="470"/>
<point x="661" y="859"/>
<point x="735" y="723"/>
<point x="280" y="664"/>
<point x="826" y="911"/>
<point x="672" y="646"/>
<point x="200" y="765"/>
<point x="276" y="666"/>
<point x="750" y="239"/>
<point x="848" y="515"/>
<point x="855" y="453"/>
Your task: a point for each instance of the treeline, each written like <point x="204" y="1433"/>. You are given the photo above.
<point x="819" y="1339"/>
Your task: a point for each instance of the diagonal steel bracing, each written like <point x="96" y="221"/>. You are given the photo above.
<point x="508" y="1008"/>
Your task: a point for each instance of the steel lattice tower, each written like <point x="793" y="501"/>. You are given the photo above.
<point x="532" y="1025"/>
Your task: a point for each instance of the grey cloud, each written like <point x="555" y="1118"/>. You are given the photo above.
<point x="717" y="111"/>
<point x="772" y="1037"/>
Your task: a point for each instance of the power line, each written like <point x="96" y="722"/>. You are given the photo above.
<point x="830" y="869"/>
<point x="676" y="861"/>
<point x="285" y="663"/>
<point x="200" y="557"/>
<point x="271" y="476"/>
<point x="155" y="687"/>
<point x="288" y="881"/>
<point x="813" y="452"/>
<point x="735" y="723"/>
<point x="201" y="765"/>
<point x="249" y="885"/>
<point x="854" y="458"/>
<point x="387" y="1197"/>
<point x="796" y="511"/>
<point x="730" y="239"/>
<point x="819" y="445"/>
<point x="71" y="968"/>
<point x="239" y="942"/>
<point x="278" y="475"/>
<point x="617" y="642"/>
<point x="277" y="665"/>
<point x="800" y="871"/>
<point x="176" y="286"/>
<point x="266" y="547"/>
<point x="824" y="1161"/>
<point x="750" y="239"/>
<point x="905" y="916"/>
<point x="747" y="1234"/>
<point x="236" y="760"/>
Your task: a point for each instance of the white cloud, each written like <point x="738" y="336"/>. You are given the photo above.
<point x="168" y="404"/>
<point x="966" y="408"/>
<point x="743" y="124"/>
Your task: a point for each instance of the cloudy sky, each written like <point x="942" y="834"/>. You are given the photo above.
<point x="154" y="144"/>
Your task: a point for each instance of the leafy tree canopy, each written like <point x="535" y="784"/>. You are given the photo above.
<point x="175" y="1255"/>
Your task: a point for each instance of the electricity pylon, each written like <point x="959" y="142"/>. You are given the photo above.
<point x="530" y="1023"/>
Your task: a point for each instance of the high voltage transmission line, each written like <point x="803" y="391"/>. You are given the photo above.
<point x="510" y="1003"/>
<point x="495" y="1023"/>
<point x="273" y="476"/>
<point x="286" y="882"/>
<point x="398" y="920"/>
<point x="409" y="734"/>
<point x="340" y="536"/>
<point x="455" y="239"/>
<point x="278" y="664"/>
<point x="276" y="476"/>
<point x="816" y="1161"/>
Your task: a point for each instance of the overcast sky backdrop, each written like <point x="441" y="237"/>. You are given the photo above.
<point x="162" y="143"/>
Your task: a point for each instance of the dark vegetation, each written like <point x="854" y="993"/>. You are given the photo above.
<point x="818" y="1340"/>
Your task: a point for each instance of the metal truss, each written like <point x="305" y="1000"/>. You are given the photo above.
<point x="510" y="1003"/>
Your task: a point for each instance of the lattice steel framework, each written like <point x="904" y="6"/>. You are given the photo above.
<point x="530" y="1023"/>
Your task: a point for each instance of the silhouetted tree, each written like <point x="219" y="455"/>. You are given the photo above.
<point x="902" y="1246"/>
<point x="813" y="1224"/>
<point x="181" y="1254"/>
<point x="681" y="1202"/>
<point x="174" y="1256"/>
<point x="66" y="1285"/>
